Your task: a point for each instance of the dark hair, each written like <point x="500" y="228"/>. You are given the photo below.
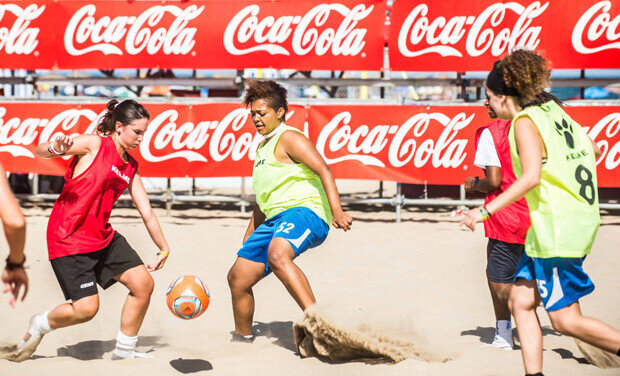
<point x="527" y="74"/>
<point x="271" y="91"/>
<point x="125" y="112"/>
<point x="544" y="97"/>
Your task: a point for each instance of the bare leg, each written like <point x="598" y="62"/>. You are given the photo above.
<point x="77" y="312"/>
<point x="140" y="285"/>
<point x="243" y="275"/>
<point x="524" y="299"/>
<point x="571" y="322"/>
<point x="500" y="292"/>
<point x="281" y="257"/>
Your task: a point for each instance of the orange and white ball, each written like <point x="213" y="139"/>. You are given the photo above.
<point x="187" y="297"/>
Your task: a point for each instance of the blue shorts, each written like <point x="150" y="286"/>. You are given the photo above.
<point x="561" y="280"/>
<point x="300" y="226"/>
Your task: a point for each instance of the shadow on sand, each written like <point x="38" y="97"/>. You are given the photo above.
<point x="91" y="350"/>
<point x="282" y="331"/>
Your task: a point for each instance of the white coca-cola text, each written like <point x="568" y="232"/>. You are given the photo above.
<point x="596" y="25"/>
<point x="608" y="127"/>
<point x="19" y="38"/>
<point x="484" y="33"/>
<point x="85" y="33"/>
<point x="406" y="143"/>
<point x="246" y="33"/>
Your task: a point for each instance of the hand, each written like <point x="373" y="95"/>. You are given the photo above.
<point x="159" y="262"/>
<point x="342" y="220"/>
<point x="62" y="144"/>
<point x="471" y="217"/>
<point x="470" y="183"/>
<point x="13" y="280"/>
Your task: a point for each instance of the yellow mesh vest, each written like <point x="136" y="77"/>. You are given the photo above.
<point x="564" y="207"/>
<point x="280" y="186"/>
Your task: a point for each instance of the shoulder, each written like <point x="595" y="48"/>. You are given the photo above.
<point x="292" y="136"/>
<point x="92" y="142"/>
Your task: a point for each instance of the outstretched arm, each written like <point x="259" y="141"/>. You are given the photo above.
<point x="530" y="149"/>
<point x="141" y="200"/>
<point x="15" y="230"/>
<point x="300" y="149"/>
<point x="64" y="145"/>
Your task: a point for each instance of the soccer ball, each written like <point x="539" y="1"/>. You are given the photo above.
<point x="187" y="297"/>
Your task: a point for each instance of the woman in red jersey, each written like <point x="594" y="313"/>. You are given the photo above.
<point x="83" y="248"/>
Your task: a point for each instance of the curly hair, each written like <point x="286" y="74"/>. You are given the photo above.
<point x="271" y="91"/>
<point x="125" y="112"/>
<point x="527" y="72"/>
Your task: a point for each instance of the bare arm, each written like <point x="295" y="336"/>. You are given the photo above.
<point x="15" y="230"/>
<point x="597" y="150"/>
<point x="530" y="149"/>
<point x="141" y="200"/>
<point x="489" y="183"/>
<point x="63" y="145"/>
<point x="257" y="219"/>
<point x="300" y="149"/>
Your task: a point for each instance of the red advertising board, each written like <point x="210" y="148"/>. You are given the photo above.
<point x="305" y="34"/>
<point x="409" y="144"/>
<point x="470" y="35"/>
<point x="215" y="34"/>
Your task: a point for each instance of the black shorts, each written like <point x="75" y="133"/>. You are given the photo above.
<point x="502" y="260"/>
<point x="77" y="274"/>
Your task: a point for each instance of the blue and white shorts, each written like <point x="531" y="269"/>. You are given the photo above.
<point x="561" y="280"/>
<point x="300" y="226"/>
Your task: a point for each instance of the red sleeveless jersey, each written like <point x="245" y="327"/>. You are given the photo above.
<point x="511" y="223"/>
<point x="79" y="220"/>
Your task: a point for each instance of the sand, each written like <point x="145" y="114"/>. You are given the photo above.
<point x="424" y="276"/>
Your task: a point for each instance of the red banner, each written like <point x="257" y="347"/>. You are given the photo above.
<point x="409" y="144"/>
<point x="470" y="35"/>
<point x="305" y="34"/>
<point x="215" y="34"/>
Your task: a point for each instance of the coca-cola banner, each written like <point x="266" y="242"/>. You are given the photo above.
<point x="304" y="34"/>
<point x="203" y="140"/>
<point x="417" y="144"/>
<point x="423" y="35"/>
<point x="409" y="144"/>
<point x="470" y="35"/>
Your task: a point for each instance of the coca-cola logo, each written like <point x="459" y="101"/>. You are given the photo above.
<point x="246" y="33"/>
<point x="484" y="32"/>
<point x="17" y="134"/>
<point x="222" y="136"/>
<point x="596" y="25"/>
<point x="20" y="39"/>
<point x="406" y="143"/>
<point x="85" y="33"/>
<point x="609" y="128"/>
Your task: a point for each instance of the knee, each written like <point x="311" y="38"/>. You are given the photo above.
<point x="233" y="278"/>
<point x="143" y="287"/>
<point x="502" y="294"/>
<point x="520" y="302"/>
<point x="562" y="325"/>
<point x="85" y="312"/>
<point x="278" y="260"/>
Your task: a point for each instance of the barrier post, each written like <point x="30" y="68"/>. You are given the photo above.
<point x="35" y="184"/>
<point x="243" y="196"/>
<point x="168" y="196"/>
<point x="398" y="198"/>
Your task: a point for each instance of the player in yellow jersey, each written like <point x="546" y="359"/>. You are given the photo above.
<point x="554" y="161"/>
<point x="297" y="200"/>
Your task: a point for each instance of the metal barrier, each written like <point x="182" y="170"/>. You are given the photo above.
<point x="398" y="201"/>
